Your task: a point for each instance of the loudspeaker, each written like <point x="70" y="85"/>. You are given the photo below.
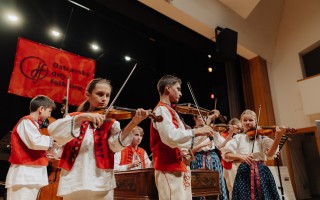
<point x="226" y="44"/>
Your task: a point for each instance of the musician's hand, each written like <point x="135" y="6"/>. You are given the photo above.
<point x="134" y="164"/>
<point x="280" y="130"/>
<point x="247" y="159"/>
<point x="140" y="115"/>
<point x="204" y="131"/>
<point x="96" y="118"/>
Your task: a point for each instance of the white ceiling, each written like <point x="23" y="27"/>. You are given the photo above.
<point x="241" y="7"/>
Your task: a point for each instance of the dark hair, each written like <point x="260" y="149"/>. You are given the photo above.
<point x="165" y="81"/>
<point x="90" y="87"/>
<point x="41" y="100"/>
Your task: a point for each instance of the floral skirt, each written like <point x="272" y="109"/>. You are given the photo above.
<point x="210" y="160"/>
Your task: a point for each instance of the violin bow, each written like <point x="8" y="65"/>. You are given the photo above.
<point x="195" y="101"/>
<point x="67" y="98"/>
<point x="125" y="82"/>
<point x="256" y="131"/>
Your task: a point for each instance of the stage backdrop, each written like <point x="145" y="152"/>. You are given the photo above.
<point x="40" y="69"/>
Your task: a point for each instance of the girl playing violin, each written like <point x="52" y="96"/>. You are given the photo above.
<point x="206" y="156"/>
<point x="254" y="179"/>
<point x="229" y="168"/>
<point x="90" y="142"/>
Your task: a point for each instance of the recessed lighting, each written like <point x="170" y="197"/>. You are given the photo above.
<point x="55" y="33"/>
<point x="209" y="56"/>
<point x="127" y="58"/>
<point x="94" y="47"/>
<point x="210" y="69"/>
<point x="12" y="17"/>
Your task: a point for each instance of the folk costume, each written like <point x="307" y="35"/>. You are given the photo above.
<point x="207" y="158"/>
<point x="252" y="181"/>
<point x="167" y="139"/>
<point x="28" y="170"/>
<point x="88" y="157"/>
<point x="130" y="155"/>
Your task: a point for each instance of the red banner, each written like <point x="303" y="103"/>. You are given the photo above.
<point x="40" y="69"/>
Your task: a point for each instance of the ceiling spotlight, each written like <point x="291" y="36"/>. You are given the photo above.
<point x="95" y="47"/>
<point x="210" y="69"/>
<point x="127" y="58"/>
<point x="55" y="33"/>
<point x="209" y="56"/>
<point x="12" y="18"/>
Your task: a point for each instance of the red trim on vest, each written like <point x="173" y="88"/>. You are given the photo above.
<point x="103" y="154"/>
<point x="164" y="157"/>
<point x="226" y="164"/>
<point x="21" y="154"/>
<point x="127" y="156"/>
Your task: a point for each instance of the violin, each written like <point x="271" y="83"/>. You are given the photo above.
<point x="267" y="130"/>
<point x="224" y="127"/>
<point x="121" y="113"/>
<point x="191" y="109"/>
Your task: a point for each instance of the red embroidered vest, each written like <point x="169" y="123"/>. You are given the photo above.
<point x="164" y="157"/>
<point x="127" y="156"/>
<point x="103" y="154"/>
<point x="21" y="154"/>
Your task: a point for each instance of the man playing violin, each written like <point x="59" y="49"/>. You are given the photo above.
<point x="167" y="140"/>
<point x="254" y="180"/>
<point x="90" y="142"/>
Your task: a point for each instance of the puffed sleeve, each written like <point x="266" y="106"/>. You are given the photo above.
<point x="114" y="141"/>
<point x="231" y="147"/>
<point x="117" y="166"/>
<point x="218" y="139"/>
<point x="31" y="137"/>
<point x="169" y="134"/>
<point x="64" y="130"/>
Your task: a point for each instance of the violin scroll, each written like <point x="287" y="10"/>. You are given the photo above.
<point x="155" y="118"/>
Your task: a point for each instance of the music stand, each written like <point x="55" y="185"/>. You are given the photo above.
<point x="283" y="140"/>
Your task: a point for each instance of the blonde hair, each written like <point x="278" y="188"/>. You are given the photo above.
<point x="234" y="121"/>
<point x="249" y="112"/>
<point x="139" y="129"/>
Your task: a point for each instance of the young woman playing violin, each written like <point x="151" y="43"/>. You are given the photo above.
<point x="206" y="154"/>
<point x="90" y="141"/>
<point x="254" y="179"/>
